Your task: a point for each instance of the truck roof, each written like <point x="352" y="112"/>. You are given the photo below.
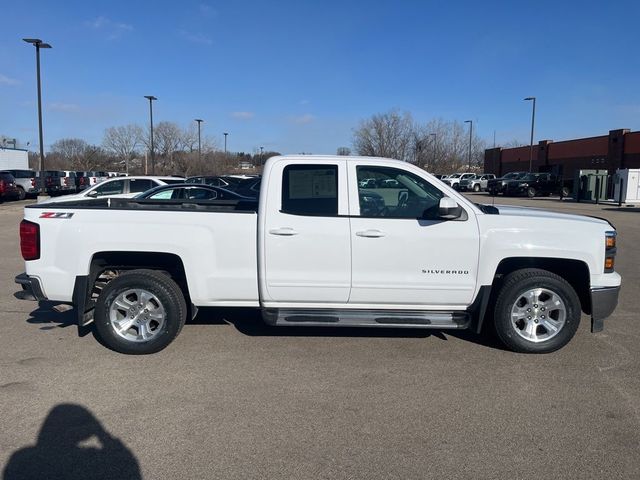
<point x="348" y="158"/>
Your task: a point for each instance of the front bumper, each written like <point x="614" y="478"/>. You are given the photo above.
<point x="603" y="302"/>
<point x="31" y="289"/>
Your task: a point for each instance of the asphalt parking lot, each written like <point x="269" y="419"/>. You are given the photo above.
<point x="231" y="398"/>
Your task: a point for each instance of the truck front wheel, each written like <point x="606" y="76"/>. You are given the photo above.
<point x="536" y="311"/>
<point x="140" y="312"/>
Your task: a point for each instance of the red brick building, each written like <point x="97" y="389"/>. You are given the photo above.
<point x="619" y="149"/>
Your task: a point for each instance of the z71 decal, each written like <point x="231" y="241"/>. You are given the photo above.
<point x="56" y="215"/>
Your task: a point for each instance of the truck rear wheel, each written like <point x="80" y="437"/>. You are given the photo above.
<point x="476" y="187"/>
<point x="140" y="312"/>
<point x="536" y="311"/>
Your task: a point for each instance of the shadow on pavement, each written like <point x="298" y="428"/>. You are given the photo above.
<point x="52" y="315"/>
<point x="73" y="445"/>
<point x="623" y="209"/>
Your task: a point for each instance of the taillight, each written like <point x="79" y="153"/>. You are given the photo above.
<point x="610" y="241"/>
<point x="33" y="182"/>
<point x="66" y="180"/>
<point x="30" y="240"/>
<point x="3" y="186"/>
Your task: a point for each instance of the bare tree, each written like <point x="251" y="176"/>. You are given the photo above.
<point x="390" y="134"/>
<point x="514" y="144"/>
<point x="123" y="142"/>
<point x="343" y="151"/>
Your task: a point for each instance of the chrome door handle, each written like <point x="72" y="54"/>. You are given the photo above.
<point x="370" y="233"/>
<point x="283" y="231"/>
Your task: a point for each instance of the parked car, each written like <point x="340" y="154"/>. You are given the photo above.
<point x="248" y="187"/>
<point x="368" y="183"/>
<point x="311" y="255"/>
<point x="497" y="185"/>
<point x="25" y="181"/>
<point x="534" y="184"/>
<point x="119" y="187"/>
<point x="477" y="184"/>
<point x="8" y="188"/>
<point x="455" y="179"/>
<point x="68" y="182"/>
<point x="52" y="181"/>
<point x="213" y="180"/>
<point x="191" y="191"/>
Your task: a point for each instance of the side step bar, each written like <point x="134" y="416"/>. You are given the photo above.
<point x="366" y="318"/>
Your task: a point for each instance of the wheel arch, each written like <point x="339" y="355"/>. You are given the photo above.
<point x="88" y="287"/>
<point x="575" y="272"/>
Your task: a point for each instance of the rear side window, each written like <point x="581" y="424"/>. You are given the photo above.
<point x="310" y="190"/>
<point x="140" y="185"/>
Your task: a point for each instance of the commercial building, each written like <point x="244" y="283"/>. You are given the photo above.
<point x="617" y="150"/>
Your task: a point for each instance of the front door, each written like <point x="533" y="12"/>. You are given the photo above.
<point x="306" y="249"/>
<point x="403" y="253"/>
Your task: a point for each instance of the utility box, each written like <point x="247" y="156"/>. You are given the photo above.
<point x="590" y="185"/>
<point x="627" y="185"/>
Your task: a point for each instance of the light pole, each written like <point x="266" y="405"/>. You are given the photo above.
<point x="435" y="136"/>
<point x="151" y="98"/>
<point x="533" y="122"/>
<point x="225" y="141"/>
<point x="261" y="156"/>
<point x="39" y="44"/>
<point x="470" y="122"/>
<point x="199" y="120"/>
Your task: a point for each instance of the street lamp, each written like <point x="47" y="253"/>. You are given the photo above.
<point x="533" y="120"/>
<point x="261" y="156"/>
<point x="39" y="44"/>
<point x="225" y="141"/>
<point x="199" y="148"/>
<point x="470" y="122"/>
<point x="151" y="98"/>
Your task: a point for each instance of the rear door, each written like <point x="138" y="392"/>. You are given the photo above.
<point x="306" y="250"/>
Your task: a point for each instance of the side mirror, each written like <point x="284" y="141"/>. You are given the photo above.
<point x="449" y="209"/>
<point x="92" y="194"/>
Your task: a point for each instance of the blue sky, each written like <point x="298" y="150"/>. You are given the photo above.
<point x="298" y="76"/>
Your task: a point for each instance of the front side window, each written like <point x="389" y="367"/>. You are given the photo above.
<point x="404" y="195"/>
<point x="163" y="195"/>
<point x="110" y="188"/>
<point x="310" y="190"/>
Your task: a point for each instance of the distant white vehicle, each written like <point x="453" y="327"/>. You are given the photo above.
<point x="119" y="187"/>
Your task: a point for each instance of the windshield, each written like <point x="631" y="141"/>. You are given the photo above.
<point x="455" y="175"/>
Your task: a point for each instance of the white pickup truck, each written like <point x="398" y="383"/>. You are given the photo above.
<point x="319" y="248"/>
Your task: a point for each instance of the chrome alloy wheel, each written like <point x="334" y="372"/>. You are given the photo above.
<point x="538" y="315"/>
<point x="137" y="315"/>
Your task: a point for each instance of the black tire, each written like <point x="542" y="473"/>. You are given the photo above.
<point x="21" y="193"/>
<point x="493" y="192"/>
<point x="164" y="289"/>
<point x="512" y="288"/>
<point x="565" y="192"/>
<point x="531" y="192"/>
<point x="476" y="188"/>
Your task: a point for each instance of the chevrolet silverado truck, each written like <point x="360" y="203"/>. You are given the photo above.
<point x="320" y="249"/>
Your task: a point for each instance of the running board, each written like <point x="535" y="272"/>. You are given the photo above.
<point x="366" y="318"/>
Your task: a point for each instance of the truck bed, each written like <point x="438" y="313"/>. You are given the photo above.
<point x="149" y="204"/>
